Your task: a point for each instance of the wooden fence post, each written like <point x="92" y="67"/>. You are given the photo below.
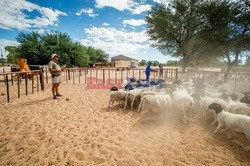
<point x="7" y="86"/>
<point x="41" y="79"/>
<point x="18" y="85"/>
<point x="115" y="76"/>
<point x="85" y="75"/>
<point x="73" y="71"/>
<point x="12" y="82"/>
<point x="69" y="74"/>
<point x="26" y="83"/>
<point x="46" y="75"/>
<point x="104" y="76"/>
<point x="32" y="82"/>
<point x="37" y="84"/>
<point x="80" y="76"/>
<point x="176" y="73"/>
<point x="109" y="75"/>
<point x="139" y="74"/>
<point x="96" y="75"/>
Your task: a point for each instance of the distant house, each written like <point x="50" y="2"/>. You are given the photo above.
<point x="123" y="61"/>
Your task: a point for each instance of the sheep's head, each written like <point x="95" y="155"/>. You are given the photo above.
<point x="114" y="88"/>
<point x="216" y="107"/>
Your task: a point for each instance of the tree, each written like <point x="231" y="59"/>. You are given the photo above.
<point x="247" y="63"/>
<point x="97" y="55"/>
<point x="31" y="48"/>
<point x="227" y="29"/>
<point x="142" y="62"/>
<point x="173" y="27"/>
<point x="13" y="54"/>
<point x="172" y="63"/>
<point x="155" y="63"/>
<point x="37" y="49"/>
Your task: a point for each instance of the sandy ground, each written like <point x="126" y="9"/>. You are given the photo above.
<point x="78" y="129"/>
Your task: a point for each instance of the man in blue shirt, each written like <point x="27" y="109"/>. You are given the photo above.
<point x="148" y="69"/>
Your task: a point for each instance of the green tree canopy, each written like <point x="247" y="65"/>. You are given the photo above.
<point x="37" y="48"/>
<point x="142" y="62"/>
<point x="155" y="63"/>
<point x="173" y="27"/>
<point x="11" y="57"/>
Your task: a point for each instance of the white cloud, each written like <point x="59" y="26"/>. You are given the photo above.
<point x="115" y="41"/>
<point x="4" y="43"/>
<point x="140" y="9"/>
<point x="120" y="5"/>
<point x="89" y="12"/>
<point x="163" y="1"/>
<point x="105" y="24"/>
<point x="134" y="22"/>
<point x="12" y="15"/>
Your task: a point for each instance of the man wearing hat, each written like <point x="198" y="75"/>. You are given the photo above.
<point x="55" y="72"/>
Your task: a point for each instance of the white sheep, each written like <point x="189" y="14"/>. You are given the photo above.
<point x="133" y="96"/>
<point x="206" y="101"/>
<point x="182" y="102"/>
<point x="213" y="94"/>
<point x="117" y="96"/>
<point x="237" y="107"/>
<point x="155" y="104"/>
<point x="232" y="121"/>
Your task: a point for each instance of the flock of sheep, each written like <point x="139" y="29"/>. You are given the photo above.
<point x="181" y="97"/>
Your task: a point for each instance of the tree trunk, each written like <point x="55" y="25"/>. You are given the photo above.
<point x="230" y="64"/>
<point x="185" y="62"/>
<point x="184" y="66"/>
<point x="229" y="67"/>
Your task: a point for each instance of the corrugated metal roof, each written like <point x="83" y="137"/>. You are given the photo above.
<point x="122" y="57"/>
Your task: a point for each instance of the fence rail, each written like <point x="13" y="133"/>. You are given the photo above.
<point x="99" y="75"/>
<point x="10" y="77"/>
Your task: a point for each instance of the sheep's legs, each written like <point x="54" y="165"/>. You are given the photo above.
<point x="126" y="102"/>
<point x="204" y="113"/>
<point x="218" y="127"/>
<point x="215" y="119"/>
<point x="132" y="104"/>
<point x="143" y="113"/>
<point x="248" y="147"/>
<point x="109" y="103"/>
<point x="184" y="116"/>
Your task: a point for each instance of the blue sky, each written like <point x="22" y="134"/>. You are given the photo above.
<point x="115" y="26"/>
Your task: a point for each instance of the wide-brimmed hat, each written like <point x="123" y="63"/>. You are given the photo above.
<point x="53" y="55"/>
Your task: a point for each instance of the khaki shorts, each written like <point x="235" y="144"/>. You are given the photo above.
<point x="56" y="79"/>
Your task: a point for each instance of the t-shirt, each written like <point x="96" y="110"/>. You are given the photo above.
<point x="54" y="65"/>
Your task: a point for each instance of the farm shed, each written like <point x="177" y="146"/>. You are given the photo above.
<point x="123" y="61"/>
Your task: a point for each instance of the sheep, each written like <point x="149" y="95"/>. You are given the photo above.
<point x="237" y="107"/>
<point x="232" y="121"/>
<point x="213" y="94"/>
<point x="155" y="103"/>
<point x="114" y="88"/>
<point x="246" y="98"/>
<point x="133" y="96"/>
<point x="183" y="102"/>
<point x="144" y="93"/>
<point x="206" y="101"/>
<point x="117" y="96"/>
